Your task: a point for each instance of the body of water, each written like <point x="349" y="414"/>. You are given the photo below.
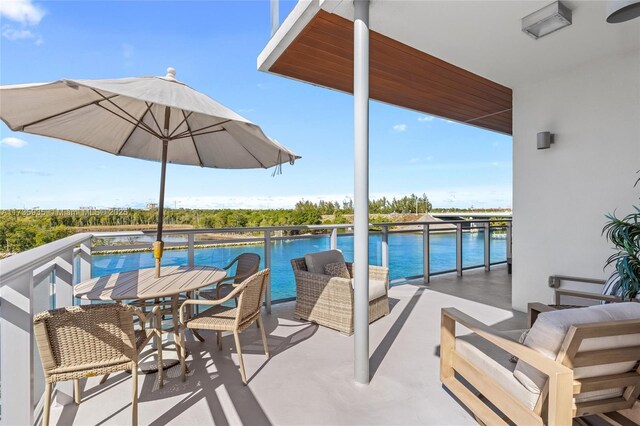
<point x="405" y="256"/>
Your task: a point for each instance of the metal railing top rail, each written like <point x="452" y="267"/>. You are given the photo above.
<point x="282" y="228"/>
<point x="32" y="259"/>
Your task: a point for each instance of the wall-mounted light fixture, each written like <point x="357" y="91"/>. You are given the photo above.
<point x="622" y="10"/>
<point x="545" y="139"/>
<point x="546" y="20"/>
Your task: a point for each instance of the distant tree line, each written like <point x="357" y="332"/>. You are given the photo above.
<point x="24" y="229"/>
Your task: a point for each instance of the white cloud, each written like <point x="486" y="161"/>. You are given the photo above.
<point x="24" y="12"/>
<point x="425" y="118"/>
<point x="13" y="142"/>
<point x="34" y="172"/>
<point x="13" y="34"/>
<point x="400" y="127"/>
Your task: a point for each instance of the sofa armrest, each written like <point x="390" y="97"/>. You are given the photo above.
<point x="548" y="366"/>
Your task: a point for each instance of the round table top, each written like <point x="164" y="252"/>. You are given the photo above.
<point x="142" y="284"/>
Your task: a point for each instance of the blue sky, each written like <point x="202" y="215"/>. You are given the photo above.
<point x="214" y="45"/>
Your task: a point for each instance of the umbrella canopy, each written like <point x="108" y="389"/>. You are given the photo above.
<point x="152" y="118"/>
<point x="128" y="116"/>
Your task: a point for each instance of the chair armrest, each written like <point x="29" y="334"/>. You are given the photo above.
<point x="586" y="295"/>
<point x="320" y="278"/>
<point x="534" y="358"/>
<point x="380" y="273"/>
<point x="149" y="316"/>
<point x="234" y="293"/>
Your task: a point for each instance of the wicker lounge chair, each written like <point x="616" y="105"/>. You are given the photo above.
<point x="89" y="340"/>
<point x="250" y="294"/>
<point x="328" y="300"/>
<point x="248" y="264"/>
<point x="572" y="363"/>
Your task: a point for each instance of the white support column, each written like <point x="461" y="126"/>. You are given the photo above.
<point x="16" y="350"/>
<point x="487" y="246"/>
<point x="85" y="264"/>
<point x="334" y="239"/>
<point x="426" y="269"/>
<point x="267" y="264"/>
<point x="275" y="16"/>
<point x="361" y="190"/>
<point x="64" y="297"/>
<point x="385" y="246"/>
<point x="459" y="249"/>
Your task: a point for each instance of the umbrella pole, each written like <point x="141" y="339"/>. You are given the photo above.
<point x="158" y="245"/>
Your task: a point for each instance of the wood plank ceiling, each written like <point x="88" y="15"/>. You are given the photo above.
<point x="400" y="75"/>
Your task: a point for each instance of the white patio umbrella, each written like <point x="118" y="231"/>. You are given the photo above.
<point x="153" y="118"/>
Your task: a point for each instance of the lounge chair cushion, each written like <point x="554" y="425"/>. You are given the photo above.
<point x="337" y="269"/>
<point x="377" y="288"/>
<point x="316" y="261"/>
<point x="550" y="329"/>
<point x="495" y="362"/>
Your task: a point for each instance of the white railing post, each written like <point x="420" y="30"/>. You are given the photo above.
<point x="426" y="268"/>
<point x="487" y="246"/>
<point x="191" y="249"/>
<point x="459" y="248"/>
<point x="334" y="239"/>
<point x="16" y="350"/>
<point x="267" y="264"/>
<point x="64" y="297"/>
<point x="385" y="246"/>
<point x="85" y="264"/>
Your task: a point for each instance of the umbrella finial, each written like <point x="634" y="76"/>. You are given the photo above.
<point x="171" y="73"/>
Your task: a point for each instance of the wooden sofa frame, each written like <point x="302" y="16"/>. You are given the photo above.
<point x="555" y="405"/>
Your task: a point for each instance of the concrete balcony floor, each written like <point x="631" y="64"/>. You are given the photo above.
<point x="309" y="377"/>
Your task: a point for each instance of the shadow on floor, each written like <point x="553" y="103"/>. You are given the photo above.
<point x="213" y="377"/>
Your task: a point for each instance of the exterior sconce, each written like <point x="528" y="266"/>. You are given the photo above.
<point x="545" y="139"/>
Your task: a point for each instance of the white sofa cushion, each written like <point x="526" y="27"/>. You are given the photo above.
<point x="548" y="334"/>
<point x="496" y="363"/>
<point x="377" y="288"/>
<point x="316" y="261"/>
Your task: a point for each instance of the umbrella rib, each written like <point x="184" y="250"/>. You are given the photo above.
<point x="134" y="129"/>
<point x="251" y="154"/>
<point x="63" y="112"/>
<point x="131" y="117"/>
<point x="186" y="132"/>
<point x="144" y="127"/>
<point x="180" y="124"/>
<point x="155" y="120"/>
<point x="192" y="137"/>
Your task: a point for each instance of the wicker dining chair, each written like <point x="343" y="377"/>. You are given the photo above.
<point x="247" y="265"/>
<point x="90" y="340"/>
<point x="219" y="318"/>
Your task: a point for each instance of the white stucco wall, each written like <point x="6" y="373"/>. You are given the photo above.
<point x="560" y="195"/>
